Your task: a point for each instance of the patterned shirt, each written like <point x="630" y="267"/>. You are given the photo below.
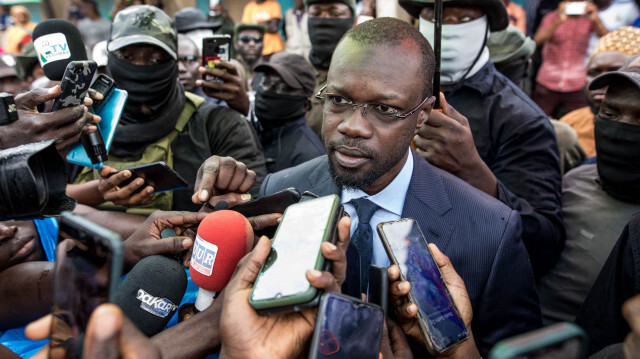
<point x="563" y="67"/>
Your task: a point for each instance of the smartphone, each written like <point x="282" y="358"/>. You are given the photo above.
<point x="216" y="47"/>
<point x="110" y="110"/>
<point x="75" y="84"/>
<point x="575" y="8"/>
<point x="274" y="203"/>
<point x="346" y="328"/>
<point x="157" y="174"/>
<point x="438" y="317"/>
<point x="379" y="287"/>
<point x="87" y="272"/>
<point x="102" y="84"/>
<point x="561" y="341"/>
<point x="282" y="283"/>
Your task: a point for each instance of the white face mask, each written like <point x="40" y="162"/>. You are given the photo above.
<point x="461" y="44"/>
<point x="197" y="35"/>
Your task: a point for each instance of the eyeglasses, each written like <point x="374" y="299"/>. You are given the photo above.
<point x="384" y="113"/>
<point x="247" y="39"/>
<point x="189" y="59"/>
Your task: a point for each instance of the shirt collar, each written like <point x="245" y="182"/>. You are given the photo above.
<point x="391" y="198"/>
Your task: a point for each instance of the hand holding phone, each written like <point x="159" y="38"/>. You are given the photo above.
<point x="435" y="319"/>
<point x="282" y="283"/>
<point x="87" y="272"/>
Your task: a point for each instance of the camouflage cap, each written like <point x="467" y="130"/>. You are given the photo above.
<point x="143" y="24"/>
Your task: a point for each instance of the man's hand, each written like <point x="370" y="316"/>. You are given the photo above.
<point x="406" y="312"/>
<point x="247" y="334"/>
<point x="66" y="124"/>
<point x="147" y="241"/>
<point x="631" y="312"/>
<point x="219" y="175"/>
<point x="109" y="335"/>
<point x="445" y="140"/>
<point x="394" y="344"/>
<point x="231" y="89"/>
<point x="124" y="196"/>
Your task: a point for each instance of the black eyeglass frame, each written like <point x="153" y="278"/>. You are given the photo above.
<point x="353" y="105"/>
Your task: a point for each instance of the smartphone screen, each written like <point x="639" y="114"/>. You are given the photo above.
<point x="437" y="312"/>
<point x="87" y="271"/>
<point x="215" y="48"/>
<point x="296" y="248"/>
<point x="347" y="328"/>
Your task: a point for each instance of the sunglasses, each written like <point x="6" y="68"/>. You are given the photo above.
<point x="247" y="39"/>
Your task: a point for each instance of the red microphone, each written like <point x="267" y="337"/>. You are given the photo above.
<point x="224" y="237"/>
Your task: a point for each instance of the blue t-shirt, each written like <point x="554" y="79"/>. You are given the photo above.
<point x="14" y="339"/>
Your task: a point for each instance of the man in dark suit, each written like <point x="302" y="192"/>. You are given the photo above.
<point x="375" y="101"/>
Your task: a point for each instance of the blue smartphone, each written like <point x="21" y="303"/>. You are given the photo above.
<point x="438" y="317"/>
<point x="110" y="110"/>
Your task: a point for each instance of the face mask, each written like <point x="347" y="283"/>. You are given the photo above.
<point x="460" y="46"/>
<point x="274" y="109"/>
<point x="197" y="35"/>
<point x="618" y="148"/>
<point x="324" y="35"/>
<point x="151" y="85"/>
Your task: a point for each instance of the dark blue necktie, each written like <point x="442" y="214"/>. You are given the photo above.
<point x="363" y="237"/>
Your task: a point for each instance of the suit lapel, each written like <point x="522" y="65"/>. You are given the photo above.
<point x="427" y="201"/>
<point x="320" y="182"/>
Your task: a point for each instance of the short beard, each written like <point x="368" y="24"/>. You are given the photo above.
<point x="351" y="178"/>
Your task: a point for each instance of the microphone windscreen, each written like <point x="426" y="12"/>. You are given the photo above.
<point x="57" y="42"/>
<point x="224" y="237"/>
<point x="152" y="292"/>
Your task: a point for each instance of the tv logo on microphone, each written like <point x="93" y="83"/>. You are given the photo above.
<point x="160" y="307"/>
<point x="203" y="257"/>
<point x="52" y="47"/>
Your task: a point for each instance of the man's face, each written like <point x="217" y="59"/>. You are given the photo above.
<point x="19" y="243"/>
<point x="621" y="104"/>
<point x="188" y="63"/>
<point x="601" y="63"/>
<point x="335" y="10"/>
<point x="271" y="81"/>
<point x="249" y="44"/>
<point x="363" y="151"/>
<point x="142" y="54"/>
<point x="452" y="15"/>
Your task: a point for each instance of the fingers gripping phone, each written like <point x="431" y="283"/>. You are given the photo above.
<point x="217" y="47"/>
<point x="157" y="174"/>
<point x="87" y="272"/>
<point x="75" y="84"/>
<point x="282" y="283"/>
<point x="346" y="328"/>
<point x="438" y="317"/>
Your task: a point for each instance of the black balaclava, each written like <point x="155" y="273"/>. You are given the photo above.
<point x="618" y="148"/>
<point x="324" y="34"/>
<point x="155" y="86"/>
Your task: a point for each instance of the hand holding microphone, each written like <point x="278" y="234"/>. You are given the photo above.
<point x="224" y="237"/>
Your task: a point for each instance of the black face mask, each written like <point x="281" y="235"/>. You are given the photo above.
<point x="274" y="109"/>
<point x="150" y="85"/>
<point x="618" y="148"/>
<point x="155" y="86"/>
<point x="324" y="35"/>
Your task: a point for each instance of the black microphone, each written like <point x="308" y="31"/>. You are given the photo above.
<point x="58" y="42"/>
<point x="152" y="292"/>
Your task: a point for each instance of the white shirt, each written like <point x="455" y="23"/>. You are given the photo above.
<point x="391" y="202"/>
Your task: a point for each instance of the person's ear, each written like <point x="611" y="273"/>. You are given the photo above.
<point x="425" y="111"/>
